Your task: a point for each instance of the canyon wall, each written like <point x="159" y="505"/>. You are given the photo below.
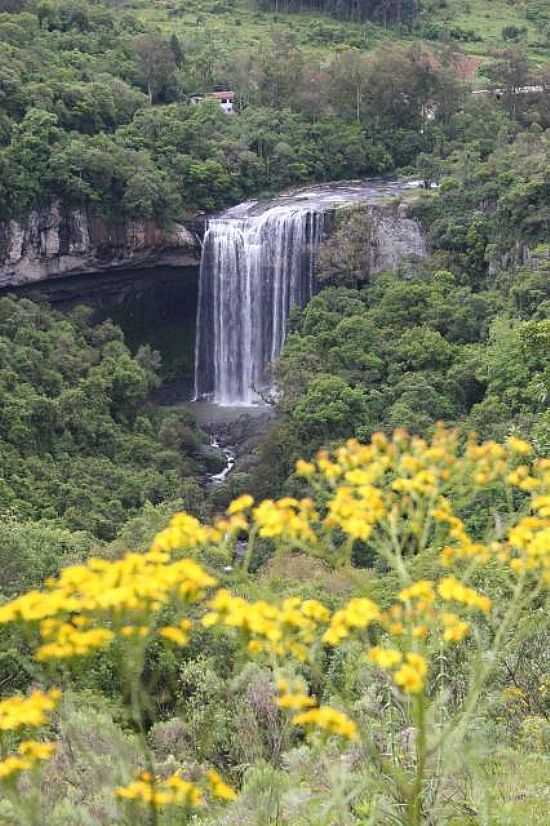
<point x="58" y="242"/>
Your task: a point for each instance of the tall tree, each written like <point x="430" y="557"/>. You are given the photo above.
<point x="156" y="63"/>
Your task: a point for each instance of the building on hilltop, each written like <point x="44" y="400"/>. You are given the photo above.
<point x="226" y="99"/>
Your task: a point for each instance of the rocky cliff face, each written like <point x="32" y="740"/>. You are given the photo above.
<point x="58" y="242"/>
<point x="395" y="237"/>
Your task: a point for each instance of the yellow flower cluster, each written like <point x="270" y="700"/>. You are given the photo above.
<point x="288" y="629"/>
<point x="174" y="791"/>
<point x="183" y="534"/>
<point x="293" y="697"/>
<point x="87" y="605"/>
<point x="412" y="674"/>
<point x="398" y="486"/>
<point x="219" y="787"/>
<point x="328" y="719"/>
<point x="409" y="670"/>
<point x="29" y="754"/>
<point x="463" y="546"/>
<point x="452" y="590"/>
<point x="179" y="634"/>
<point x="288" y="518"/>
<point x="455" y="629"/>
<point x="32" y="711"/>
<point x="70" y="640"/>
<point x="528" y="547"/>
<point x="358" y="614"/>
<point x="355" y="510"/>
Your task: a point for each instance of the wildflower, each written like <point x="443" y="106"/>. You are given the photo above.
<point x="455" y="628"/>
<point x="451" y="590"/>
<point x="518" y="446"/>
<point x="243" y="503"/>
<point x="355" y="510"/>
<point x="36" y="750"/>
<point x="30" y="753"/>
<point x="183" y="533"/>
<point x="329" y="719"/>
<point x="359" y="613"/>
<point x="410" y="677"/>
<point x="178" y="635"/>
<point x="423" y="589"/>
<point x="296" y="701"/>
<point x="13" y="765"/>
<point x="31" y="711"/>
<point x="71" y="642"/>
<point x="305" y="469"/>
<point x="159" y="793"/>
<point x="384" y="657"/>
<point x="287" y="518"/>
<point x="287" y="629"/>
<point x="409" y="680"/>
<point x="219" y="788"/>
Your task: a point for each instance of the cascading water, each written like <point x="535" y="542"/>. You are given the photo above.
<point x="254" y="269"/>
<point x="258" y="262"/>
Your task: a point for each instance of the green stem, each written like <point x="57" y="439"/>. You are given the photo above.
<point x="415" y="801"/>
<point x="137" y="711"/>
<point x="249" y="551"/>
<point x="484" y="670"/>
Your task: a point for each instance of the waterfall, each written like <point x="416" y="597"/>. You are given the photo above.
<point x="254" y="269"/>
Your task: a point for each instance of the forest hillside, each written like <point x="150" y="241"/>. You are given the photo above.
<point x="328" y="608"/>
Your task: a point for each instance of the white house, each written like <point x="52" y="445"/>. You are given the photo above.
<point x="225" y="99"/>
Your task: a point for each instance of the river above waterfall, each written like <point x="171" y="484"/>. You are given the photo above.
<point x="258" y="262"/>
<point x="324" y="197"/>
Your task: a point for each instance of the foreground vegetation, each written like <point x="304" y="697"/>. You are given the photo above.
<point x="363" y="704"/>
<point x="372" y="646"/>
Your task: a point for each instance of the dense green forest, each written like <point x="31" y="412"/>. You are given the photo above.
<point x="78" y="447"/>
<point x="96" y="111"/>
<point x="368" y="645"/>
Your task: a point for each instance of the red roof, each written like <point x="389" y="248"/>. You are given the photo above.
<point x="219" y="95"/>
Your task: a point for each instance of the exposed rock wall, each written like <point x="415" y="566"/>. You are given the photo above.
<point x="57" y="242"/>
<point x="395" y="237"/>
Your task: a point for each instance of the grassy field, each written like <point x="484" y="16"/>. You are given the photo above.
<point x="225" y="26"/>
<point x="233" y="25"/>
<point x="487" y="19"/>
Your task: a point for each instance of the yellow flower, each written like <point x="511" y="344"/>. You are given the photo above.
<point x="384" y="657"/>
<point x="410" y="677"/>
<point x="329" y="719"/>
<point x="179" y="636"/>
<point x="30" y="752"/>
<point x="359" y="613"/>
<point x="243" y="503"/>
<point x="174" y="791"/>
<point x="418" y="662"/>
<point x="409" y="680"/>
<point x="423" y="589"/>
<point x="296" y="702"/>
<point x="451" y="590"/>
<point x="32" y="711"/>
<point x="455" y="628"/>
<point x="305" y="469"/>
<point x="36" y="750"/>
<point x="13" y="765"/>
<point x="519" y="446"/>
<point x="219" y="788"/>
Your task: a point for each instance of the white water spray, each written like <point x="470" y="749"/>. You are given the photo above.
<point x="254" y="269"/>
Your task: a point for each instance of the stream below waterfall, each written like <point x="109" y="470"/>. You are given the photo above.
<point x="229" y="453"/>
